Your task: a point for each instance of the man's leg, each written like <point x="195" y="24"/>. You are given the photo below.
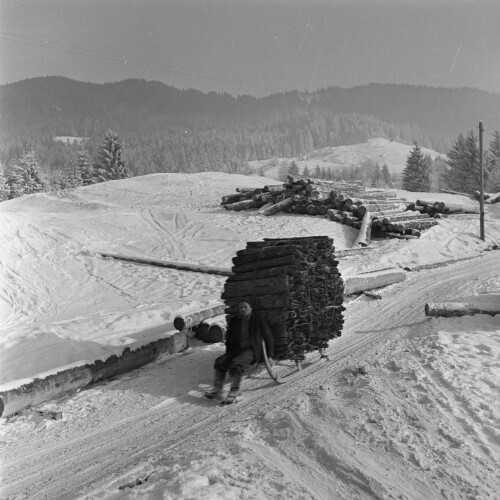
<point x="221" y="366"/>
<point x="237" y="368"/>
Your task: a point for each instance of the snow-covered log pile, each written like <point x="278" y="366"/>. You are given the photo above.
<point x="294" y="196"/>
<point x="295" y="285"/>
<point x="340" y="202"/>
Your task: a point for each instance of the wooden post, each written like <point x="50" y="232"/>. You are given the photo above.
<point x="481" y="197"/>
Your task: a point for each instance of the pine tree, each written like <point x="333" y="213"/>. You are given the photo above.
<point x="293" y="170"/>
<point x="493" y="164"/>
<point x="386" y="175"/>
<point x="306" y="173"/>
<point x="24" y="176"/>
<point x="463" y="170"/>
<point x="4" y="188"/>
<point x="110" y="165"/>
<point x="85" y="168"/>
<point x="416" y="173"/>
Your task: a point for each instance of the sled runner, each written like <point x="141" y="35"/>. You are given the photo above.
<point x="284" y="370"/>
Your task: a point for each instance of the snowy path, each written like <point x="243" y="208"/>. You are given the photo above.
<point x="140" y="424"/>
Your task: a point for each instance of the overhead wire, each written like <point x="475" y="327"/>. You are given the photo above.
<point x="135" y="61"/>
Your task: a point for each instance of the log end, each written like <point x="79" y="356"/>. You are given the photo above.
<point x="179" y="323"/>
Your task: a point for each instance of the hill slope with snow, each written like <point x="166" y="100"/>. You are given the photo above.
<point x="394" y="154"/>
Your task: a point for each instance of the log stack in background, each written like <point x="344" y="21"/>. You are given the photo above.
<point x="347" y="203"/>
<point x="295" y="284"/>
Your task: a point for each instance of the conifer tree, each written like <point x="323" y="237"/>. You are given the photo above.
<point x="4" y="188"/>
<point x="463" y="169"/>
<point x="386" y="175"/>
<point x="493" y="163"/>
<point x="306" y="173"/>
<point x="110" y="165"/>
<point x="24" y="176"/>
<point x="416" y="173"/>
<point x="293" y="170"/>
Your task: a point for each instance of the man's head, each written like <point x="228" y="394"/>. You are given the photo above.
<point x="244" y="309"/>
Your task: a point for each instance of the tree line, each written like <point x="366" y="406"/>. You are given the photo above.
<point x="24" y="175"/>
<point x="460" y="171"/>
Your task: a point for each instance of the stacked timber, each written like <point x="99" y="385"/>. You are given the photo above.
<point x="409" y="222"/>
<point x="434" y="208"/>
<point x="346" y="203"/>
<point x="295" y="285"/>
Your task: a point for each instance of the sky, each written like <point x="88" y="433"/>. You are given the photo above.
<point x="254" y="47"/>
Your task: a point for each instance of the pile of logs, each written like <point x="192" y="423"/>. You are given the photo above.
<point x="295" y="285"/>
<point x="367" y="211"/>
<point x="435" y="208"/>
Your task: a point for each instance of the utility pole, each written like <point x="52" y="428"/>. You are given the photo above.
<point x="481" y="192"/>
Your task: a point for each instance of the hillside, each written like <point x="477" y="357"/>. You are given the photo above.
<point x="170" y="130"/>
<point x="406" y="406"/>
<point x="392" y="153"/>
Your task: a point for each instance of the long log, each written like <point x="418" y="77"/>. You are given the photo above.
<point x="273" y="188"/>
<point x="414" y="224"/>
<point x="403" y="217"/>
<point x="459" y="208"/>
<point x="372" y="280"/>
<point x="171" y="265"/>
<point x="363" y="238"/>
<point x="278" y="207"/>
<point x="381" y="207"/>
<point x="244" y="205"/>
<point x="494" y="198"/>
<point x="488" y="303"/>
<point x="189" y="320"/>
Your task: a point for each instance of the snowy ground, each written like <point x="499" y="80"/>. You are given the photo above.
<point x="407" y="407"/>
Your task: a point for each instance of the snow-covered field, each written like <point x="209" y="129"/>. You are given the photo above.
<point x="407" y="406"/>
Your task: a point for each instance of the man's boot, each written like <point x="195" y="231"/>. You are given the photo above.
<point x="216" y="390"/>
<point x="235" y="389"/>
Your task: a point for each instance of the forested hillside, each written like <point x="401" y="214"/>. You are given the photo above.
<point x="164" y="129"/>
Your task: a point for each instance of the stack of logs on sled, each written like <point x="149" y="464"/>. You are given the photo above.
<point x="295" y="284"/>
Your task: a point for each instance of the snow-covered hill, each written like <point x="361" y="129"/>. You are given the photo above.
<point x="407" y="407"/>
<point x="394" y="154"/>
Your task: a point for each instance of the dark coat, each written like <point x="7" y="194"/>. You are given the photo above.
<point x="258" y="329"/>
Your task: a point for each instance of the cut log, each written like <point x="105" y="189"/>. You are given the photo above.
<point x="456" y="208"/>
<point x="420" y="224"/>
<point x="380" y="207"/>
<point x="494" y="198"/>
<point x="488" y="303"/>
<point x="244" y="205"/>
<point x="266" y="206"/>
<point x="372" y="280"/>
<point x="278" y="207"/>
<point x="189" y="320"/>
<point x="363" y="239"/>
<point x="231" y="198"/>
<point x="403" y="217"/>
<point x="273" y="188"/>
<point x="171" y="265"/>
